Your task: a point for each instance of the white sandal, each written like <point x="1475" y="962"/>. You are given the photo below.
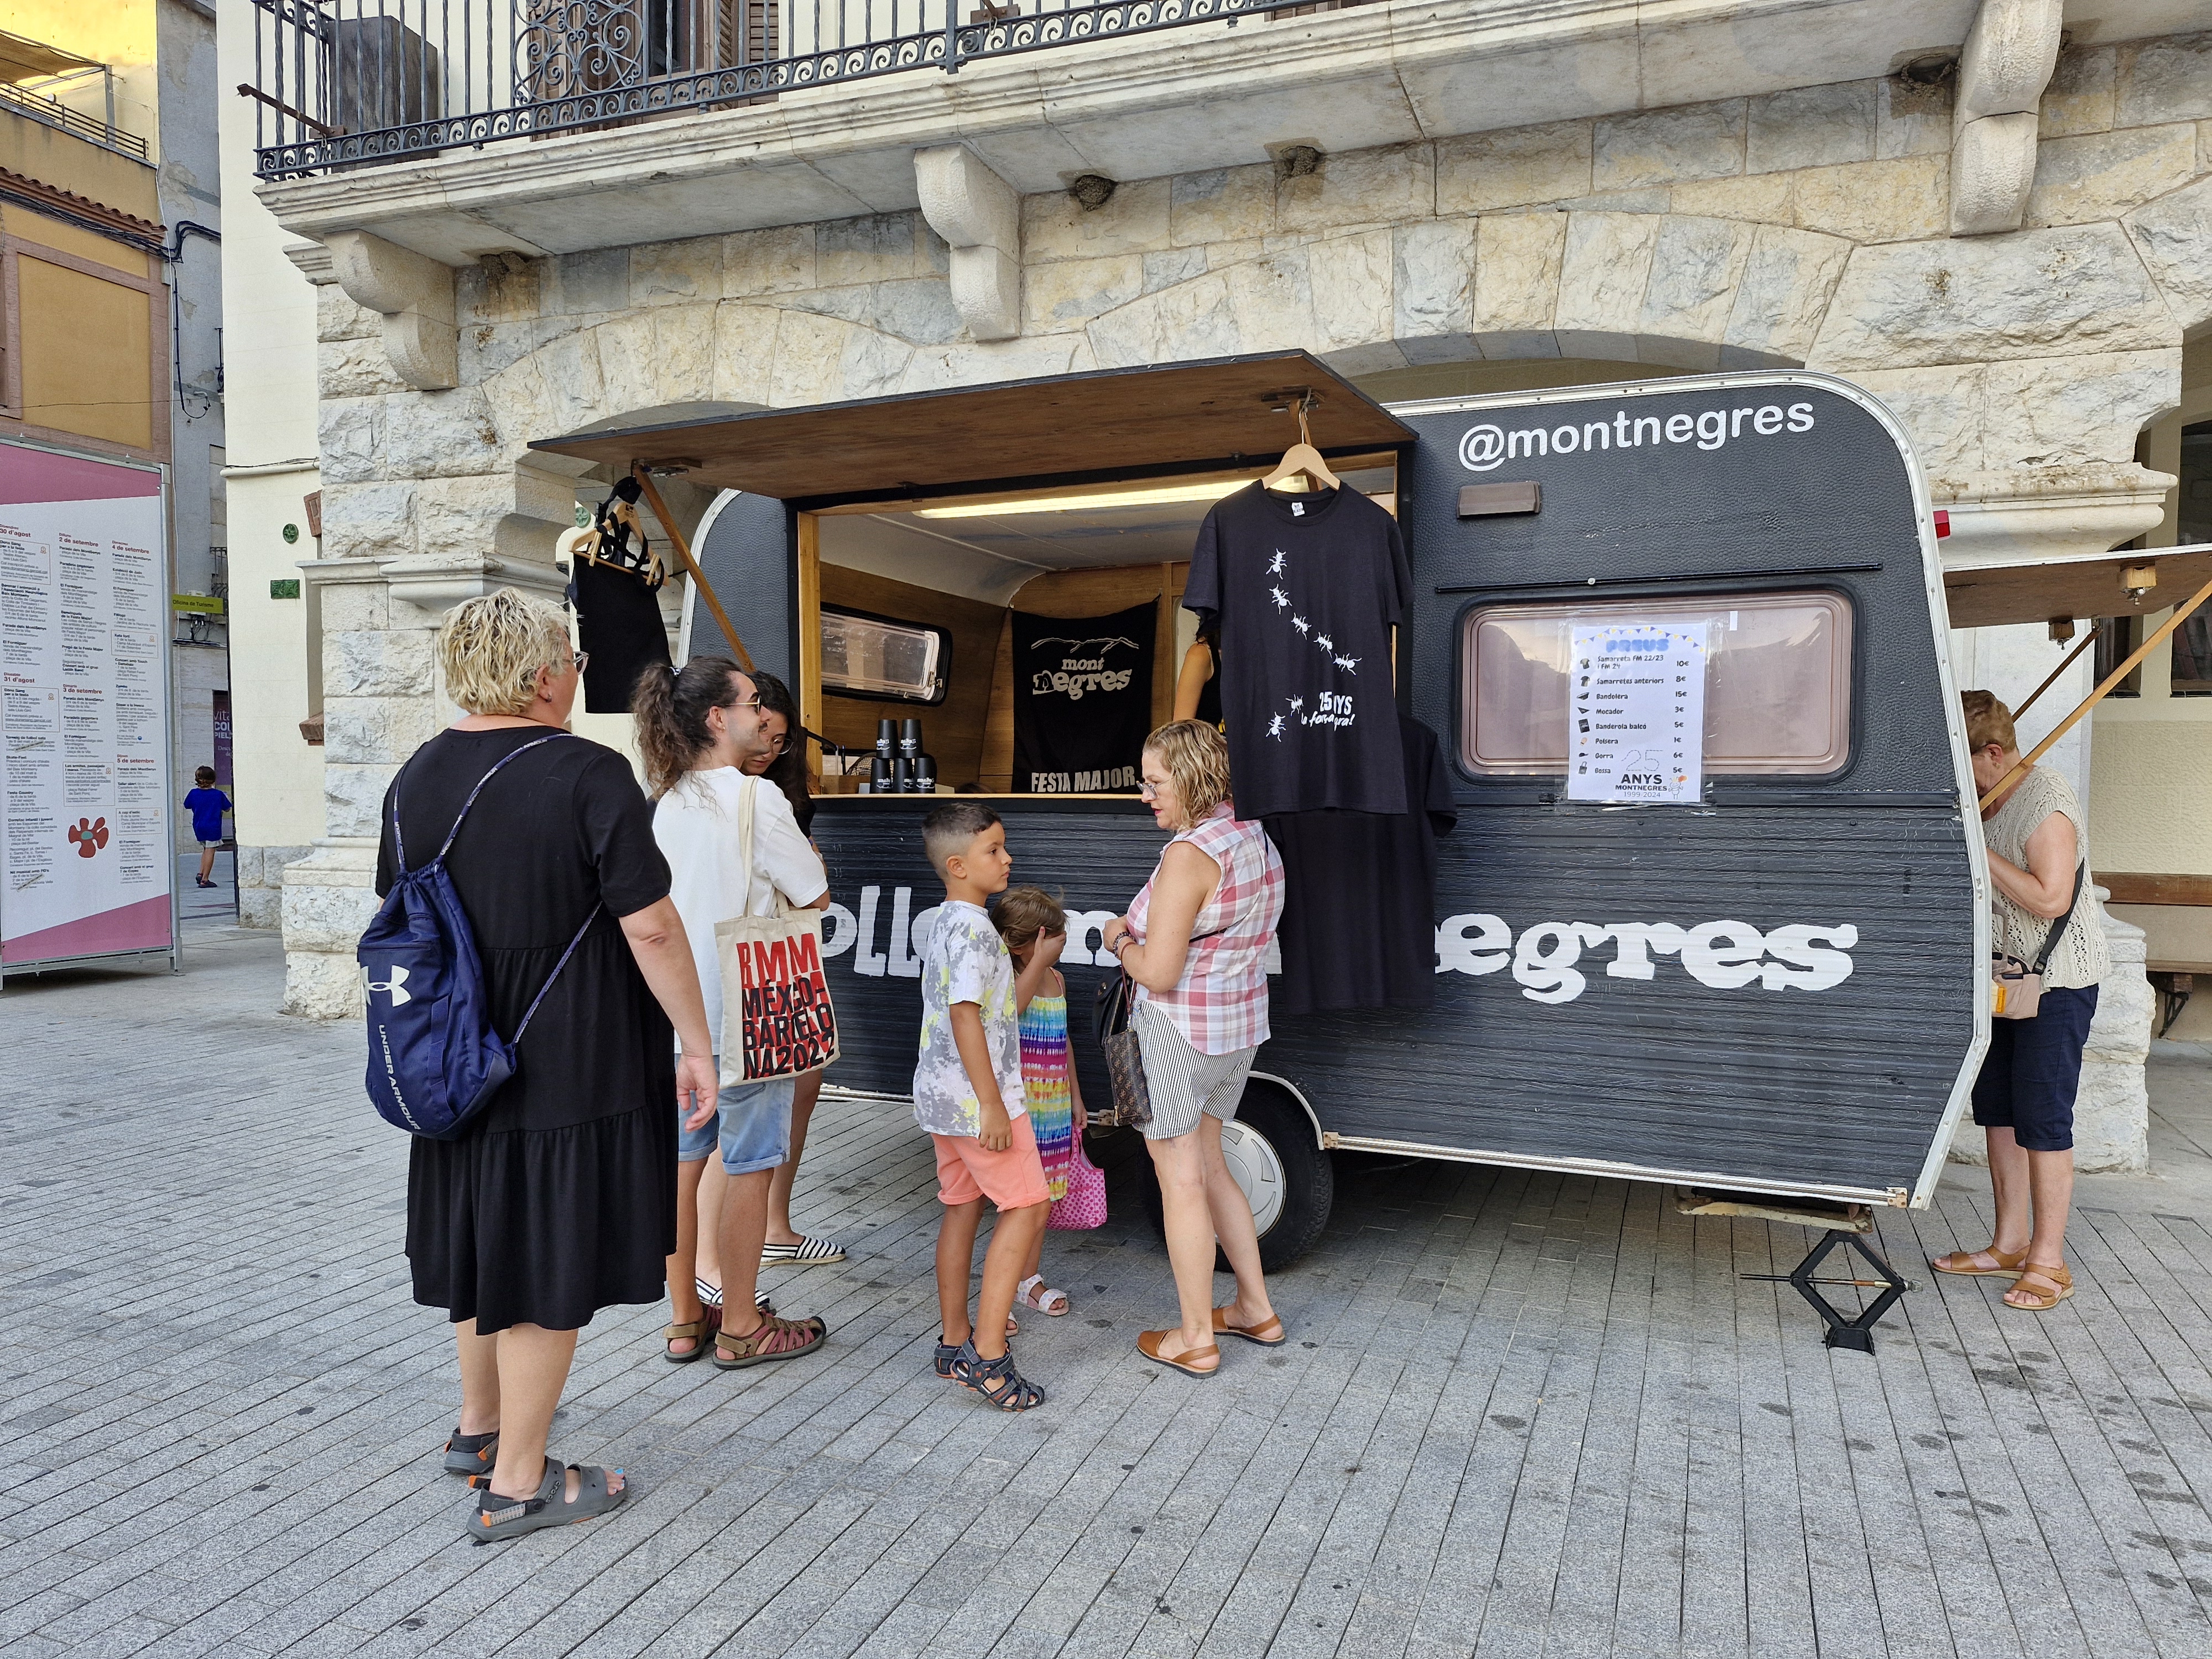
<point x="1034" y="1292"/>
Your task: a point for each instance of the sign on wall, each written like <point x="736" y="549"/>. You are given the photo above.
<point x="85" y="865"/>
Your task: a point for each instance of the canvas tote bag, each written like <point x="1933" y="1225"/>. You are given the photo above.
<point x="776" y="1017"/>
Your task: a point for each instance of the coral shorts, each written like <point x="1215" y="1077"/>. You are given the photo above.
<point x="1012" y="1180"/>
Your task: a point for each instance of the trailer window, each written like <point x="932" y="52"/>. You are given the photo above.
<point x="1777" y="692"/>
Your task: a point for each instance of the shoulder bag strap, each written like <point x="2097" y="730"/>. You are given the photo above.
<point x="746" y="787"/>
<point x="532" y="1011"/>
<point x="2057" y="927"/>
<point x="521" y="750"/>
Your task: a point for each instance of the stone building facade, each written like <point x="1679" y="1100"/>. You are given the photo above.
<point x="1821" y="225"/>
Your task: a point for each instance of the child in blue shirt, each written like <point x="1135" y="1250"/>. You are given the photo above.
<point x="207" y="805"/>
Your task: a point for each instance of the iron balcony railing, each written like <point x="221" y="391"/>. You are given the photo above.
<point x="44" y="102"/>
<point x="340" y="83"/>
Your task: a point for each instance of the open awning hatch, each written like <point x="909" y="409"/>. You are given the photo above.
<point x="1987" y="596"/>
<point x="1106" y="422"/>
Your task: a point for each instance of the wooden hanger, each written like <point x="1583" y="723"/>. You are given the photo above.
<point x="1301" y="458"/>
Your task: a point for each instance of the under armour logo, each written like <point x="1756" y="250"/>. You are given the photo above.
<point x="396" y="985"/>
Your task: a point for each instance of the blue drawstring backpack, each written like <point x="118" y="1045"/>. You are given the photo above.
<point x="433" y="1058"/>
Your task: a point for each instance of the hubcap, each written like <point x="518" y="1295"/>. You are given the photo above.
<point x="1258" y="1171"/>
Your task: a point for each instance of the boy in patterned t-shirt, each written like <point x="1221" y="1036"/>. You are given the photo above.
<point x="968" y="1095"/>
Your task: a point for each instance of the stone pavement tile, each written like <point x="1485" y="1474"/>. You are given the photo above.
<point x="1518" y="1409"/>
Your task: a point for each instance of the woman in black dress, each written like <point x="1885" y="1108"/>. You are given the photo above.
<point x="558" y="1198"/>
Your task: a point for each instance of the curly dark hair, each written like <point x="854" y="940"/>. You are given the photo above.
<point x="787" y="771"/>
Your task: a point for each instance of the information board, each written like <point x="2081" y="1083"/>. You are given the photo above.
<point x="85" y="863"/>
<point x="1636" y="711"/>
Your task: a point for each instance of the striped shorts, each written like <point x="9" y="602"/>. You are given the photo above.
<point x="1182" y="1082"/>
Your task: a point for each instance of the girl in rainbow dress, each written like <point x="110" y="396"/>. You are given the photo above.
<point x="1035" y="928"/>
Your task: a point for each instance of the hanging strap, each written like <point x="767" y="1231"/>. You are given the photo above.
<point x="398" y="841"/>
<point x="555" y="974"/>
<point x="2051" y="943"/>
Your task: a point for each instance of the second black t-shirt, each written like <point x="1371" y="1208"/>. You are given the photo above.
<point x="1305" y="590"/>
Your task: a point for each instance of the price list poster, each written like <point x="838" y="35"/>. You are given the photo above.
<point x="1636" y="712"/>
<point x="85" y="868"/>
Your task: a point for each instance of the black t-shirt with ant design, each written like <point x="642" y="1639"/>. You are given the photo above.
<point x="1305" y="590"/>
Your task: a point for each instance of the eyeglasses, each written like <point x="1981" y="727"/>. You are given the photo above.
<point x="753" y="702"/>
<point x="579" y="657"/>
<point x="777" y="745"/>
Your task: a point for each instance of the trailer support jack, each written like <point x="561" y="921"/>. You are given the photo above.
<point x="1856" y="1333"/>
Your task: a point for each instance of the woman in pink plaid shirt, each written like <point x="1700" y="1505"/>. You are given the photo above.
<point x="1195" y="941"/>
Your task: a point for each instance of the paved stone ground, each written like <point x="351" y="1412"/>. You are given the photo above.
<point x="1520" y="1414"/>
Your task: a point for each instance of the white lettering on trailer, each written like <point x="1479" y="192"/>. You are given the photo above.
<point x="1486" y="447"/>
<point x="1724" y="955"/>
<point x="1546" y="959"/>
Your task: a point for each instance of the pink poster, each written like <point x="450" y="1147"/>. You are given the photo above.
<point x="85" y="864"/>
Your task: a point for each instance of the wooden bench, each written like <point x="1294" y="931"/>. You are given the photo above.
<point x="2173" y="976"/>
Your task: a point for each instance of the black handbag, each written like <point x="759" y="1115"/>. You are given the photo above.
<point x="1124" y="1059"/>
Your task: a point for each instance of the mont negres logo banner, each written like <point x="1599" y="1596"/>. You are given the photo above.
<point x="1487" y="447"/>
<point x="1083" y="700"/>
<point x="788" y="1025"/>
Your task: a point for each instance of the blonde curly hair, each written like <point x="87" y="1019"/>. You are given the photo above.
<point x="491" y="648"/>
<point x="1196" y="756"/>
<point x="1988" y="721"/>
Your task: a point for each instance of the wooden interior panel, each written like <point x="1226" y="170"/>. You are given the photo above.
<point x="1097" y="422"/>
<point x="2131" y="888"/>
<point x="1983" y="596"/>
<point x="1077" y="594"/>
<point x="953" y="730"/>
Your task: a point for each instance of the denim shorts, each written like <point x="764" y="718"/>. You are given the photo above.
<point x="751" y="1122"/>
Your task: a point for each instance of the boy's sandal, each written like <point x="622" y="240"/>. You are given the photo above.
<point x="996" y="1380"/>
<point x="495" y="1517"/>
<point x="1148" y="1344"/>
<point x="775" y="1338"/>
<point x="942" y="1360"/>
<point x="471" y="1454"/>
<point x="1269" y="1332"/>
<point x="807" y="1253"/>
<point x="1967" y="1264"/>
<point x="1034" y="1292"/>
<point x="699" y="1331"/>
<point x="2044" y="1287"/>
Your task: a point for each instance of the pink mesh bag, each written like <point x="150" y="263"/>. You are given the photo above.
<point x="1085" y="1206"/>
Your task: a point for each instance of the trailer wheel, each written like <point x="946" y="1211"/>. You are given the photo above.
<point x="1290" y="1181"/>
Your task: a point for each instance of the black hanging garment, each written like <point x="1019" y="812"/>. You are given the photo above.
<point x="1359" y="891"/>
<point x="1304" y="591"/>
<point x="1209" y="694"/>
<point x="612" y="585"/>
<point x="1082" y="700"/>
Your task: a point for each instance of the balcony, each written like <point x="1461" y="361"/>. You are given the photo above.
<point x="461" y="128"/>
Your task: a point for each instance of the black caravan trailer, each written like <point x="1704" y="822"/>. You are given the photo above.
<point x="1772" y="992"/>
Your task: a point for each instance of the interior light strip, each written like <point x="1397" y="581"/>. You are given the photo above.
<point x="1211" y="491"/>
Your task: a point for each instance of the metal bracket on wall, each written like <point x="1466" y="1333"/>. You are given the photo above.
<point x="1856" y="1333"/>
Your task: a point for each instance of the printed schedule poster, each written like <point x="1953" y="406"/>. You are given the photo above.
<point x="1636" y="711"/>
<point x="84" y="597"/>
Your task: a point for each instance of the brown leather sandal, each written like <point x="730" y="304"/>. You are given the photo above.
<point x="2008" y="1262"/>
<point x="1148" y="1344"/>
<point x="1269" y="1332"/>
<point x="2044" y="1287"/>
<point x="699" y="1330"/>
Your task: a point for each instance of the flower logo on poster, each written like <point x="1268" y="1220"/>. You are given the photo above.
<point x="89" y="835"/>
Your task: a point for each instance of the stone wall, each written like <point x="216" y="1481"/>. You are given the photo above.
<point x="1802" y="228"/>
<point x="261" y="882"/>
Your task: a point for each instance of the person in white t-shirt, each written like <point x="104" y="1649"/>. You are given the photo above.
<point x="697" y="730"/>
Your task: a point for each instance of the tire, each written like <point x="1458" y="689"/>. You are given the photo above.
<point x="1290" y="1181"/>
